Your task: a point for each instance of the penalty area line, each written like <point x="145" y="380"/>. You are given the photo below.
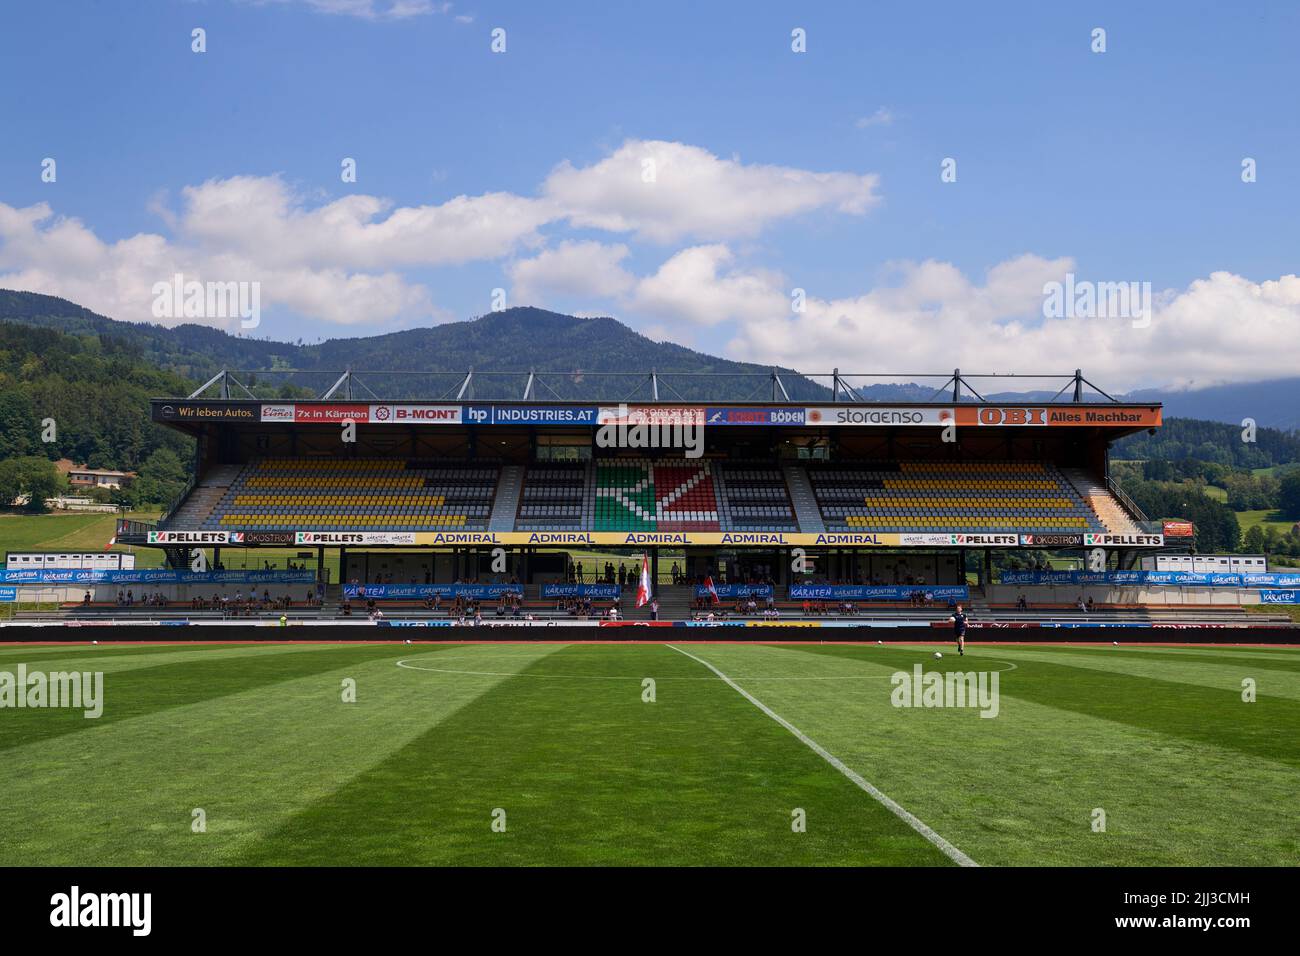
<point x="920" y="826"/>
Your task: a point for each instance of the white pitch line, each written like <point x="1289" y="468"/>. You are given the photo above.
<point x="920" y="826"/>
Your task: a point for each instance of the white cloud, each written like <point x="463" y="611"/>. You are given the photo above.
<point x="931" y="317"/>
<point x="586" y="268"/>
<point x="342" y="261"/>
<point x="696" y="194"/>
<point x="368" y="9"/>
<point x="264" y="219"/>
<point x="43" y="253"/>
<point x="881" y="117"/>
<point x="692" y="288"/>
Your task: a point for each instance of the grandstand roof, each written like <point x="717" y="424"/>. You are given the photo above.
<point x="1076" y="402"/>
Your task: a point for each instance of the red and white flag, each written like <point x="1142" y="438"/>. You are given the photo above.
<point x="708" y="586"/>
<point x="111" y="541"/>
<point x="643" y="592"/>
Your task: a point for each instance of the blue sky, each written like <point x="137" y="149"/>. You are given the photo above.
<point x="1116" y="166"/>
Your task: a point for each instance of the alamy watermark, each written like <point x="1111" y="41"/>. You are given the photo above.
<point x="181" y="299"/>
<point x="75" y="908"/>
<point x="659" y="428"/>
<point x="976" y="689"/>
<point x="1073" y="299"/>
<point x="76" y="690"/>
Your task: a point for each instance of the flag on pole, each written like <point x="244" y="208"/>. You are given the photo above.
<point x="708" y="586"/>
<point x="111" y="541"/>
<point x="643" y="591"/>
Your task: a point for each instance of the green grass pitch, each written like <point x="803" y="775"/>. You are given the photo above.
<point x="559" y="743"/>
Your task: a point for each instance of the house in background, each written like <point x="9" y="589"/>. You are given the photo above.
<point x="81" y="477"/>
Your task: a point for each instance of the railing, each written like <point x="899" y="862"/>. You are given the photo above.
<point x="1136" y="513"/>
<point x="130" y="531"/>
<point x="176" y="503"/>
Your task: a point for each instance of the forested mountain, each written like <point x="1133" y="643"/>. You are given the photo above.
<point x="1223" y="444"/>
<point x="567" y="352"/>
<point x="1274" y="402"/>
<point x="572" y="355"/>
<point x="90" y="395"/>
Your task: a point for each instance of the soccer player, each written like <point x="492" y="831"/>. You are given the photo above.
<point x="958" y="620"/>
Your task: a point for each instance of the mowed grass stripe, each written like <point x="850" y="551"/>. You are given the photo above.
<point x="90" y="659"/>
<point x="125" y="794"/>
<point x="1020" y="788"/>
<point x="151" y="690"/>
<point x="80" y="648"/>
<point x="1261" y="659"/>
<point x="586" y="772"/>
<point x="1222" y="675"/>
<point x="1268" y="729"/>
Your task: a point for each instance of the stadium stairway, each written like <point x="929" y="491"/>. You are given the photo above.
<point x="506" y="503"/>
<point x="1103" y="504"/>
<point x="204" y="497"/>
<point x="674" y="602"/>
<point x="802" y="499"/>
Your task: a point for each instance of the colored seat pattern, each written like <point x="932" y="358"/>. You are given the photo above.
<point x="973" y="497"/>
<point x="645" y="495"/>
<point x="363" y="494"/>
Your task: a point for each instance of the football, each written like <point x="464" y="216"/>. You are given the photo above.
<point x="937" y="655"/>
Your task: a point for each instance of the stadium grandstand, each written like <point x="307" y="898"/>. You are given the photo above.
<point x="766" y="510"/>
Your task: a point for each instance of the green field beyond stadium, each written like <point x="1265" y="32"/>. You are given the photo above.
<point x="560" y="744"/>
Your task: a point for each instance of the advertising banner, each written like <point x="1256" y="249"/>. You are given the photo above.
<point x="531" y="415"/>
<point x="1218" y="578"/>
<point x="418" y="592"/>
<point x="868" y="592"/>
<point x="330" y="414"/>
<point x="878" y="415"/>
<point x="924" y="540"/>
<point x="985" y="540"/>
<point x="1123" y="540"/>
<point x="189" y="537"/>
<point x="154" y="576"/>
<point x="631" y="539"/>
<point x="717" y="415"/>
<point x="600" y="591"/>
<point x="1052" y="540"/>
<point x="345" y="538"/>
<point x="414" y="414"/>
<point x="733" y="591"/>
<point x="650" y="415"/>
<point x="1272" y="579"/>
<point x="205" y="411"/>
<point x="1138" y="578"/>
<point x="1179" y="529"/>
<point x="1279" y="597"/>
<point x="1107" y="416"/>
<point x="261" y="537"/>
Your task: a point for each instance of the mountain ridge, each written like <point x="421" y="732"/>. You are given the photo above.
<point x="568" y="353"/>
